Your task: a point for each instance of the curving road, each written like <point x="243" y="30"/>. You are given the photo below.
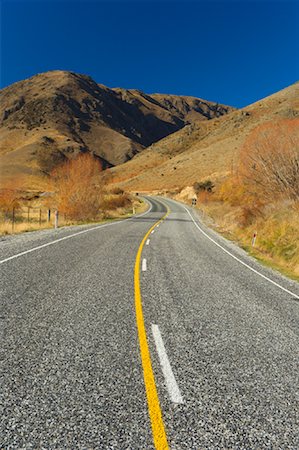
<point x="221" y="331"/>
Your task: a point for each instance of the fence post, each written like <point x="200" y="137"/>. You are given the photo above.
<point x="28" y="214"/>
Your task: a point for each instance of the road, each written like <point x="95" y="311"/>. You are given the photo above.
<point x="210" y="362"/>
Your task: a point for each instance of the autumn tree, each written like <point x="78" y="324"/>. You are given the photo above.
<point x="77" y="187"/>
<point x="10" y="196"/>
<point x="269" y="160"/>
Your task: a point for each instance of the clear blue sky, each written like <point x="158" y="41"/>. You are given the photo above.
<point x="233" y="52"/>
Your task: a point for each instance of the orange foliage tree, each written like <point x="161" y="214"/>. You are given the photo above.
<point x="78" y="187"/>
<point x="9" y="201"/>
<point x="269" y="160"/>
<point x="10" y="197"/>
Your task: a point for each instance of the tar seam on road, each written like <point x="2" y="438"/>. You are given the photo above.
<point x="154" y="409"/>
<point x="144" y="265"/>
<point x="239" y="260"/>
<point x="72" y="235"/>
<point x="171" y="384"/>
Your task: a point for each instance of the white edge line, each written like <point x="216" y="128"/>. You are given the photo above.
<point x="239" y="260"/>
<point x="75" y="234"/>
<point x="171" y="384"/>
<point x="144" y="265"/>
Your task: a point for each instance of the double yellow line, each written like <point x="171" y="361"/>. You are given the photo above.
<point x="158" y="428"/>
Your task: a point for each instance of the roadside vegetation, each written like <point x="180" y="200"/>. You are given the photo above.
<point x="78" y="189"/>
<point x="258" y="204"/>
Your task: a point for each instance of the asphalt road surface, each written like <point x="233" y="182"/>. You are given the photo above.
<point x="211" y="361"/>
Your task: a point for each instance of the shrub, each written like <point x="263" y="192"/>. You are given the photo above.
<point x="207" y="186"/>
<point x="113" y="202"/>
<point x="117" y="191"/>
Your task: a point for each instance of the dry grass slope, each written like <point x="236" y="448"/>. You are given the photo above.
<point x="203" y="150"/>
<point x="56" y="115"/>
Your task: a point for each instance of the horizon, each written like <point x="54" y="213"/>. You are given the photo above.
<point x="231" y="52"/>
<point x="149" y="93"/>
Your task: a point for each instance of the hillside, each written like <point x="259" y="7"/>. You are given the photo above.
<point x="207" y="149"/>
<point x="57" y="114"/>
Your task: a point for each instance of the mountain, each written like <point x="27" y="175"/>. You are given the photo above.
<point x="206" y="149"/>
<point x="54" y="115"/>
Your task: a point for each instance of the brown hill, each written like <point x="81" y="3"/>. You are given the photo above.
<point x="203" y="150"/>
<point x="57" y="114"/>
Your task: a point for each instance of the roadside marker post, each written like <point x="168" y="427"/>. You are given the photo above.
<point x="253" y="239"/>
<point x="56" y="220"/>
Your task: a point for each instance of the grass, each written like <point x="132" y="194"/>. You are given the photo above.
<point x="23" y="227"/>
<point x="270" y="262"/>
<point x="277" y="241"/>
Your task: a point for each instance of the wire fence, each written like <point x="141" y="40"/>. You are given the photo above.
<point x="28" y="217"/>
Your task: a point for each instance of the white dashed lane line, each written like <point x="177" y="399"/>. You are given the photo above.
<point x="144" y="265"/>
<point x="171" y="384"/>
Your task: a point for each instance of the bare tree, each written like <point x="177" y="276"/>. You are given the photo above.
<point x="269" y="160"/>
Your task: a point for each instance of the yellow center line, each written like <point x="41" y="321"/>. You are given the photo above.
<point x="154" y="409"/>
